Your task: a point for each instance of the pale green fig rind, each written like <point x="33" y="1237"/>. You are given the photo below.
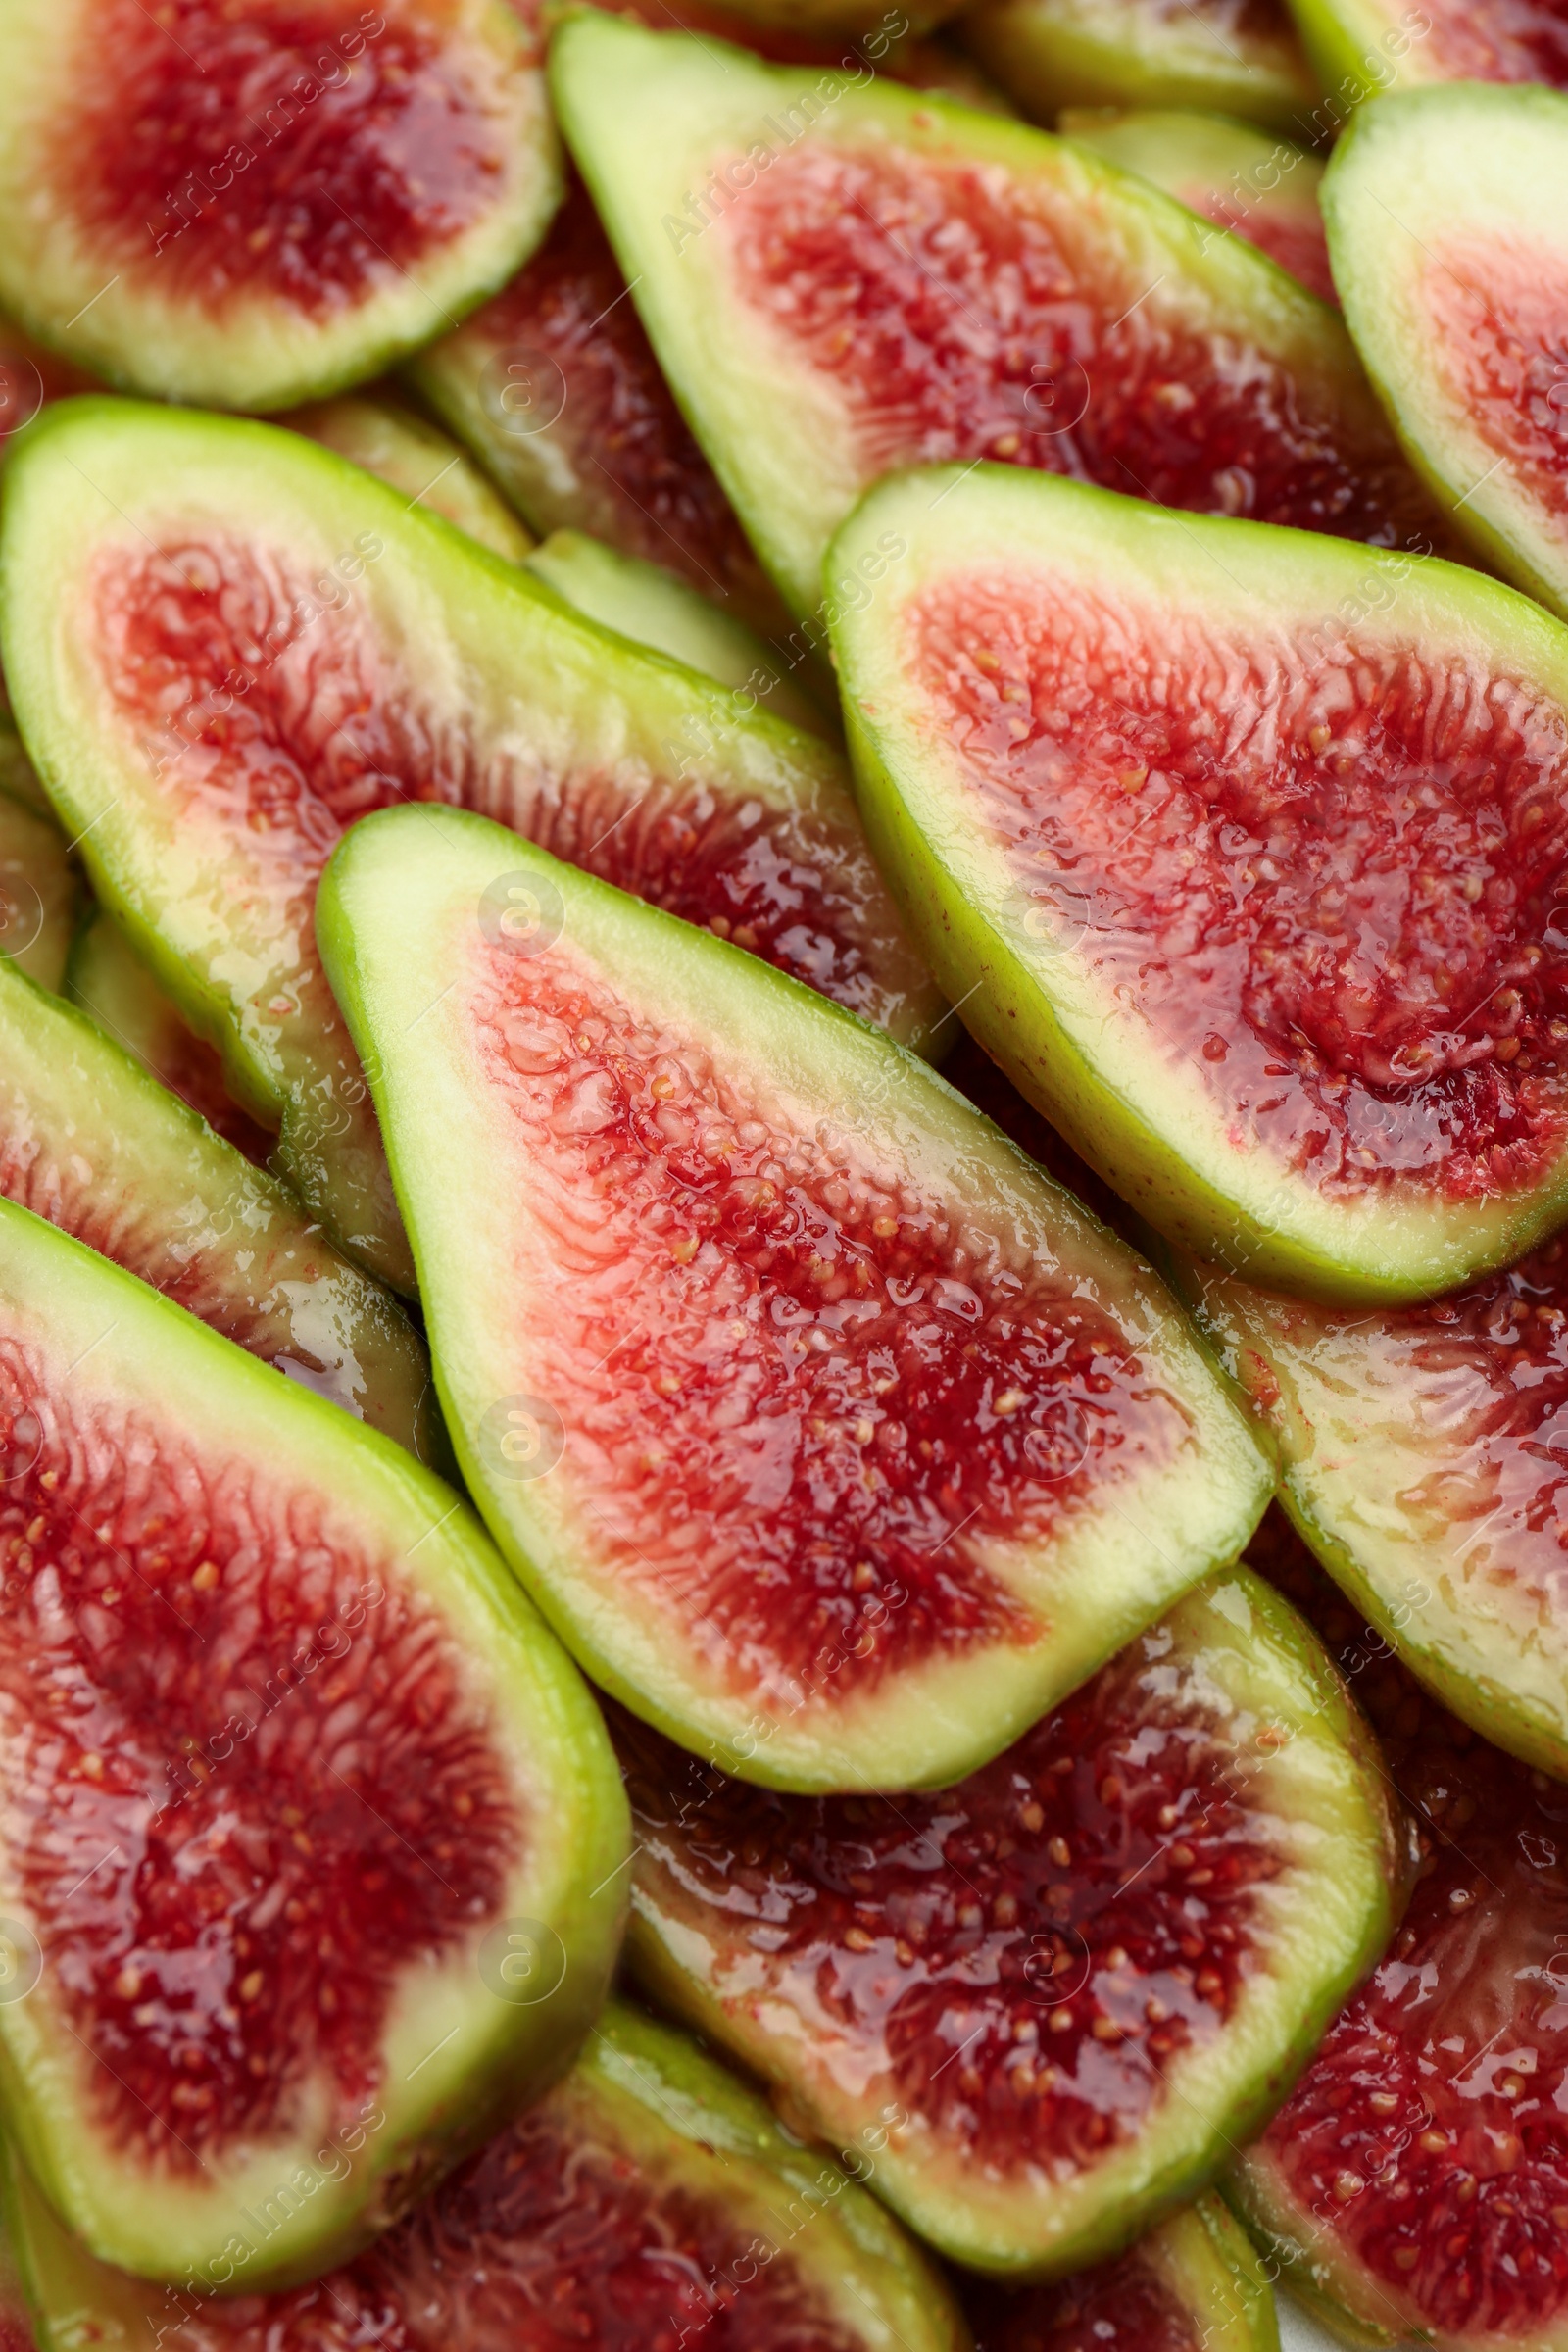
<point x="1155" y="1137"/>
<point x="1049" y="54"/>
<point x="1333" y="2287"/>
<point x="1359" y="49"/>
<point x="40" y="893"/>
<point x="393" y="918"/>
<point x="1206" y="2260"/>
<point x="114" y="988"/>
<point x="391" y="440"/>
<point x="646" y="116"/>
<point x="1193" y="156"/>
<point x="1464" y="156"/>
<point x="260" y="352"/>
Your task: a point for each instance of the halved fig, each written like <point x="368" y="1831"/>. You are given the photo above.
<point x="555" y="389"/>
<point x="1240" y="850"/>
<point x="644" y="601"/>
<point x="649" y="2199"/>
<point x="1447" y="216"/>
<point x="1415" y="2183"/>
<point x="258" y="206"/>
<point x="393" y="441"/>
<point x="842" y="278"/>
<point x="1242" y="178"/>
<point x="290" y="1773"/>
<point x="1068" y="1986"/>
<point x="1191" y="2284"/>
<point x="225" y="644"/>
<point x="833" y="1437"/>
<point x="1232" y="57"/>
<point x="39" y="891"/>
<point x="1363" y="47"/>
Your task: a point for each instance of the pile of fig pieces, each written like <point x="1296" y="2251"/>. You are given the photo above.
<point x="783" y="1175"/>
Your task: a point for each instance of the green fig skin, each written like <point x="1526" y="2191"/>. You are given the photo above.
<point x="1199" y="2260"/>
<point x="1049" y="54"/>
<point x="381" y="433"/>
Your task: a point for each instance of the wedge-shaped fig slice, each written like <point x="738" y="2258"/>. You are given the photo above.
<point x="39" y="891"/>
<point x="90" y="1141"/>
<point x="843" y="278"/>
<point x="1447" y="214"/>
<point x="1363" y="47"/>
<point x="833" y="1437"/>
<point x="1242" y="851"/>
<point x="1415" y="2185"/>
<point x="1192" y="2285"/>
<point x="225" y="644"/>
<point x="1233" y="57"/>
<point x="1263" y="188"/>
<point x="393" y="441"/>
<point x="1070" y="1985"/>
<point x="293" y="1778"/>
<point x="649" y="2199"/>
<point x="258" y="206"/>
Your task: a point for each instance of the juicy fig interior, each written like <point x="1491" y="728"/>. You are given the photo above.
<point x="245" y="1789"/>
<point x="1323" y="865"/>
<point x="1495" y="311"/>
<point x="964" y="313"/>
<point x="1120" y="2306"/>
<point x="805" y="1397"/>
<point x="308" y="150"/>
<point x="1499" y="40"/>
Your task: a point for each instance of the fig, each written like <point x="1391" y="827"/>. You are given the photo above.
<point x="1363" y="47"/>
<point x="39" y="891"/>
<point x="1263" y="188"/>
<point x="1240" y="850"/>
<point x="1071" y="1983"/>
<point x="832" y="1437"/>
<point x="1231" y="57"/>
<point x="1191" y="2284"/>
<point x="30" y="376"/>
<point x="554" y="388"/>
<point x="259" y="206"/>
<point x="225" y="643"/>
<point x="16" y="2320"/>
<point x="292" y="1774"/>
<point x="887" y="46"/>
<point x="648" y="2199"/>
<point x="1416" y="2180"/>
<point x="842" y="278"/>
<point x="392" y="440"/>
<point x="1447" y="215"/>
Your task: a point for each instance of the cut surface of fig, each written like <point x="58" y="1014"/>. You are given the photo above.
<point x="1191" y="2284"/>
<point x="287" y="1758"/>
<point x="831" y="1435"/>
<point x="1076" y="1978"/>
<point x="1260" y="186"/>
<point x="1416" y="2180"/>
<point x="647" y="2199"/>
<point x="1240" y="848"/>
<point x="1363" y="48"/>
<point x="227" y="644"/>
<point x="1447" y="213"/>
<point x="257" y="207"/>
<point x="881" y="279"/>
<point x="1229" y="56"/>
<point x="393" y="441"/>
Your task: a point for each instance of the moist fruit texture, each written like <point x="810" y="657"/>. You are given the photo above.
<point x="235" y="644"/>
<point x="835" y="1437"/>
<point x="255" y="206"/>
<point x="1070" y="1983"/>
<point x="648" y="2200"/>
<point x="1191" y="2284"/>
<point x="1363" y="47"/>
<point x="842" y="279"/>
<point x="39" y="891"/>
<point x="1417" y="2178"/>
<point x="1240" y="850"/>
<point x="555" y="389"/>
<point x="1262" y="187"/>
<point x="1447" y="213"/>
<point x="1229" y="56"/>
<point x="286" y="1758"/>
<point x="388" y="438"/>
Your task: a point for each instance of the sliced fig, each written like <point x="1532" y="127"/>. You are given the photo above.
<point x="554" y="388"/>
<point x="392" y="440"/>
<point x="1191" y="2284"/>
<point x="1068" y="1986"/>
<point x="1363" y="47"/>
<point x="1448" y="215"/>
<point x="289" y="1773"/>
<point x="1416" y="2180"/>
<point x="650" y="2199"/>
<point x="17" y="778"/>
<point x="225" y="644"/>
<point x="1262" y="187"/>
<point x="887" y="44"/>
<point x="1239" y="849"/>
<point x="880" y="279"/>
<point x="1232" y="57"/>
<point x="258" y="206"/>
<point x="39" y="891"/>
<point x="831" y="1435"/>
